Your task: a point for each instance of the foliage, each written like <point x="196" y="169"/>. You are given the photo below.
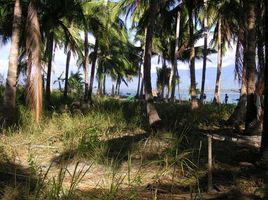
<point x="76" y="85"/>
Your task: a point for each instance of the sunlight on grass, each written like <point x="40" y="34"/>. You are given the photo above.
<point x="118" y="153"/>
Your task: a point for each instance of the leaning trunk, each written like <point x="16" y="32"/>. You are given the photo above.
<point x="151" y="110"/>
<point x="11" y="84"/>
<point x="217" y="92"/>
<point x="193" y="94"/>
<point x="174" y="64"/>
<point x="33" y="49"/>
<point x="250" y="65"/>
<point x="205" y="25"/>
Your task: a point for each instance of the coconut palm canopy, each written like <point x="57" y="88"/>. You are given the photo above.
<point x="171" y="30"/>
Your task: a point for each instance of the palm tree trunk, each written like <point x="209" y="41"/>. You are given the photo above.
<point x="142" y="88"/>
<point x="49" y="66"/>
<point x="260" y="42"/>
<point x="104" y="84"/>
<point x="179" y="96"/>
<point x="238" y="117"/>
<point x="205" y="26"/>
<point x="250" y="63"/>
<point x="217" y="92"/>
<point x="264" y="142"/>
<point x="194" y="103"/>
<point x="174" y="64"/>
<point x="118" y="83"/>
<point x="164" y="70"/>
<point x="151" y="110"/>
<point x="116" y="87"/>
<point x="100" y="86"/>
<point x="93" y="67"/>
<point x="33" y="49"/>
<point x="85" y="67"/>
<point x="68" y="58"/>
<point x="139" y="81"/>
<point x="113" y="87"/>
<point x="142" y="68"/>
<point x="11" y="84"/>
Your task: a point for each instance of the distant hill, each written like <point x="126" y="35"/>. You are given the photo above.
<point x="227" y="82"/>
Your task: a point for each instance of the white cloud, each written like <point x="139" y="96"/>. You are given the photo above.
<point x="60" y="60"/>
<point x="3" y="67"/>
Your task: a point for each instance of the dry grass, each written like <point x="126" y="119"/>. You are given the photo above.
<point x="119" y="155"/>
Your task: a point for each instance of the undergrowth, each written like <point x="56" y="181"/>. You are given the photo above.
<point x="111" y="133"/>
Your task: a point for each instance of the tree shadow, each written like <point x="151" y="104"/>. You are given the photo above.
<point x="235" y="163"/>
<point x="9" y="118"/>
<point x="115" y="150"/>
<point x="18" y="182"/>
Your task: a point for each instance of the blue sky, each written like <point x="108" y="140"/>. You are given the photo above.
<point x="60" y="59"/>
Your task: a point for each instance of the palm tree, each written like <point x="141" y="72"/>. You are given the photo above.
<point x="137" y="9"/>
<point x="163" y="76"/>
<point x="118" y="59"/>
<point x="33" y="47"/>
<point x="140" y="87"/>
<point x="56" y="15"/>
<point x="250" y="62"/>
<point x="72" y="46"/>
<point x="151" y="110"/>
<point x="193" y="92"/>
<point x="11" y="84"/>
<point x="264" y="142"/>
<point x="224" y="14"/>
<point x="68" y="58"/>
<point x="97" y="19"/>
<point x="86" y="66"/>
<point x="205" y="26"/>
<point x="219" y="64"/>
<point x="93" y="67"/>
<point x="175" y="61"/>
<point x="238" y="116"/>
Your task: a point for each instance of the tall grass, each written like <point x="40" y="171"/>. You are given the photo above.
<point x="113" y="134"/>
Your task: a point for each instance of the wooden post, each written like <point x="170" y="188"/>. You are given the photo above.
<point x="209" y="163"/>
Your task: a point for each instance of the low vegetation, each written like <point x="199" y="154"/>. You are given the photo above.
<point x="108" y="151"/>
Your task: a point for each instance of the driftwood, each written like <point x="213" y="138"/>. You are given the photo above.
<point x="43" y="146"/>
<point x="239" y="139"/>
